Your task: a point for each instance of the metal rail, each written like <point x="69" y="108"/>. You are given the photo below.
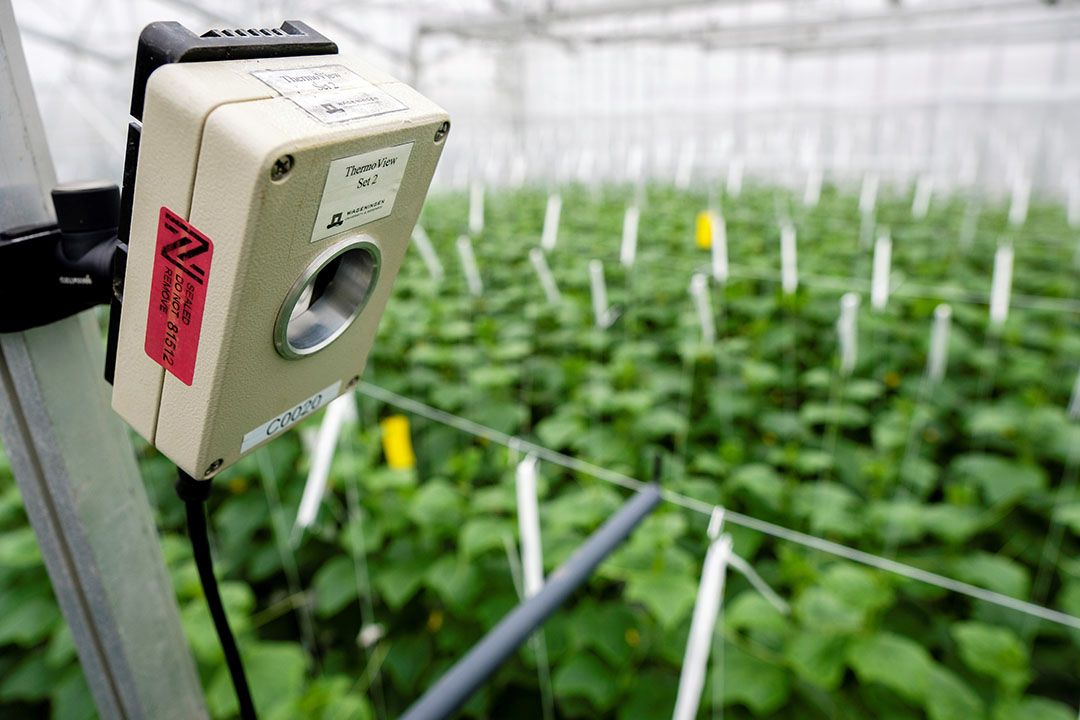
<point x="75" y="467"/>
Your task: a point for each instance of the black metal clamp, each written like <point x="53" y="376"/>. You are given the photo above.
<point x="54" y="270"/>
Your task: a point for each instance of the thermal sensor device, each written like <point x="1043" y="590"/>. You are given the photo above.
<point x="273" y="204"/>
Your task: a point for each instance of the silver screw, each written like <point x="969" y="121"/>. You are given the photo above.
<point x="442" y="131"/>
<point x="214" y="466"/>
<point x="282" y="166"/>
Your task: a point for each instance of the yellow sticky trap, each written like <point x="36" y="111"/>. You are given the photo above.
<point x="397" y="443"/>
<point x="703" y="230"/>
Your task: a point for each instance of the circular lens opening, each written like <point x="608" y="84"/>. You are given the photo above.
<point x="327" y="298"/>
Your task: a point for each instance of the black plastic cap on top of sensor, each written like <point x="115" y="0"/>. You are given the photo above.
<point x="162" y="43"/>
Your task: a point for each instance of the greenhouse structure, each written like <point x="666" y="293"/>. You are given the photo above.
<point x="545" y="359"/>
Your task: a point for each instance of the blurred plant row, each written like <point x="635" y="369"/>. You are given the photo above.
<point x="405" y="569"/>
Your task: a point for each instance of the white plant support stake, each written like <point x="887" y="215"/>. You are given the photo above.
<point x="339" y="413"/>
<point x="847" y="331"/>
<point x="628" y="251"/>
<point x="586" y="161"/>
<point x="428" y="254"/>
<point x="969" y="168"/>
<point x="635" y="165"/>
<point x="699" y="644"/>
<point x="551" y="222"/>
<point x="468" y="264"/>
<point x="1001" y="285"/>
<point x="476" y="208"/>
<point x="518" y="170"/>
<point x="598" y="285"/>
<point x="1072" y="195"/>
<point x="1021" y="198"/>
<point x="547" y="279"/>
<point x="699" y="291"/>
<point x="924" y="192"/>
<point x="735" y="177"/>
<point x="1074" y="401"/>
<point x="789" y="271"/>
<point x="461" y="176"/>
<point x="492" y="168"/>
<point x="879" y="281"/>
<point x="868" y="194"/>
<point x="684" y="172"/>
<point x="812" y="193"/>
<point x="937" y="360"/>
<point x="532" y="559"/>
<point x="720" y="270"/>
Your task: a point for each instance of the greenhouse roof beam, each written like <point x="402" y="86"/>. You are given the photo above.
<point x="989" y="30"/>
<point x="514" y="25"/>
<point x="770" y="33"/>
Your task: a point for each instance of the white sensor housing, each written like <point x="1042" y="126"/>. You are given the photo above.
<point x="274" y="201"/>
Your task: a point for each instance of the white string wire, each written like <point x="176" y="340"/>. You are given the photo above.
<point x="751" y="523"/>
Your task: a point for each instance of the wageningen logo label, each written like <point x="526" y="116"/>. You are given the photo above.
<point x="187" y="246"/>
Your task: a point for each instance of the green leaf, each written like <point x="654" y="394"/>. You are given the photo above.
<point x="760" y="481"/>
<point x="585" y="676"/>
<point x="606" y="630"/>
<point x="399" y="581"/>
<point x="1033" y="708"/>
<point x="838" y="414"/>
<point x="1069" y="515"/>
<point x="818" y="608"/>
<point x="897" y="521"/>
<point x="898" y="663"/>
<point x="760" y="685"/>
<point x="71" y="699"/>
<point x="481" y="535"/>
<point x="667" y="596"/>
<point x="858" y="587"/>
<point x="456" y="581"/>
<point x="31" y="680"/>
<point x="1001" y="481"/>
<point x="436" y="504"/>
<point x="818" y="657"/>
<point x="993" y="651"/>
<point x="30" y="621"/>
<point x="750" y="611"/>
<point x="662" y="422"/>
<point x="830" y="507"/>
<point x="952" y="523"/>
<point x="651" y="696"/>
<point x="948" y="698"/>
<point x="407" y="660"/>
<point x="275" y="673"/>
<point x="335" y="585"/>
<point x="994" y="572"/>
<point x="19" y="548"/>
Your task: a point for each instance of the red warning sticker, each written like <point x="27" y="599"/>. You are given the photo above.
<point x="178" y="294"/>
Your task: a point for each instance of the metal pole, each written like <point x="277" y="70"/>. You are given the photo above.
<point x="75" y="467"/>
<point x="460" y="681"/>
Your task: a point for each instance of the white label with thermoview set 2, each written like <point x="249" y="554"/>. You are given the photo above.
<point x="290" y="417"/>
<point x="331" y="93"/>
<point x="360" y="189"/>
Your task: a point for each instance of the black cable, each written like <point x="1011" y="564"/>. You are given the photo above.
<point x="194" y="493"/>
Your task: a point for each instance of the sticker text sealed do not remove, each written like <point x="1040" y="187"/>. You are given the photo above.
<point x="178" y="295"/>
<point x="360" y="189"/>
